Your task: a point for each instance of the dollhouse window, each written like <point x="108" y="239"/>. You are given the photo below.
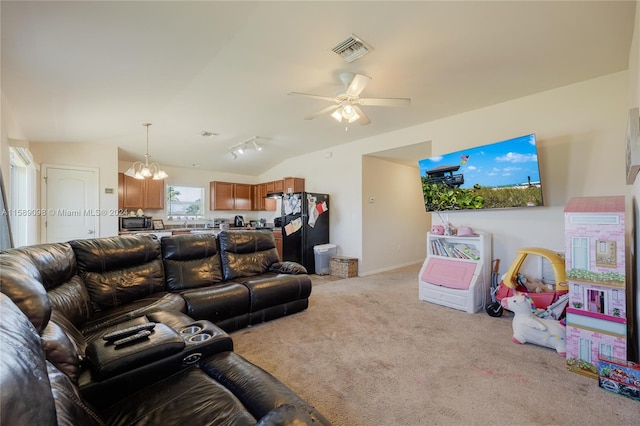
<point x="585" y="350"/>
<point x="606" y="253"/>
<point x="596" y="301"/>
<point x="580" y="252"/>
<point x="606" y="350"/>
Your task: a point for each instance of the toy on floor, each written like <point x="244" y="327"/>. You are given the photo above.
<point x="542" y="294"/>
<point x="528" y="328"/>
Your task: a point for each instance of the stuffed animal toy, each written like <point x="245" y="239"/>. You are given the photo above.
<point x="528" y="328"/>
<point x="534" y="285"/>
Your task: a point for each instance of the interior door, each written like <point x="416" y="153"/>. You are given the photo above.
<point x="70" y="203"/>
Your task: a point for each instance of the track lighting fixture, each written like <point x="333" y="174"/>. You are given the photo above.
<point x="239" y="148"/>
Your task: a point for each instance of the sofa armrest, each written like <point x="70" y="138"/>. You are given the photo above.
<point x="107" y="360"/>
<point x="259" y="391"/>
<point x="288" y="267"/>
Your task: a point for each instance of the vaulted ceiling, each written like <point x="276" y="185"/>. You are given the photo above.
<point x="93" y="72"/>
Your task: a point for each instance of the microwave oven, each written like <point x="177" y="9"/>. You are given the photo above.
<point x="136" y="223"/>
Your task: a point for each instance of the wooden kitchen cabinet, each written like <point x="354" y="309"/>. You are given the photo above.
<point x="260" y="203"/>
<point x="242" y="196"/>
<point x="154" y="194"/>
<point x="230" y="196"/>
<point x="278" y="185"/>
<point x="270" y="204"/>
<point x="255" y="197"/>
<point x="293" y="184"/>
<point x="140" y="193"/>
<point x="277" y="235"/>
<point x="120" y="190"/>
<point x="221" y="196"/>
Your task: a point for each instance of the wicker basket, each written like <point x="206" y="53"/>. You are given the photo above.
<point x="343" y="267"/>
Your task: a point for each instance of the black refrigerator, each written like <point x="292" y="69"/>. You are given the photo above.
<point x="305" y="224"/>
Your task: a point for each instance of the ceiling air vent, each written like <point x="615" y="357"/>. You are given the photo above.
<point x="352" y="48"/>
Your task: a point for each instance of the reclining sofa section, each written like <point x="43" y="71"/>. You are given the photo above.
<point x="39" y="387"/>
<point x="58" y="301"/>
<point x="234" y="280"/>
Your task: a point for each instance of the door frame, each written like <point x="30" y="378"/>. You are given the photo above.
<point x="44" y="168"/>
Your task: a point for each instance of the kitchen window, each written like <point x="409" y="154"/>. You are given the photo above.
<point x="185" y="203"/>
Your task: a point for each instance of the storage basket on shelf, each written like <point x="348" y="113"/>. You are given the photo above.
<point x="344" y="267"/>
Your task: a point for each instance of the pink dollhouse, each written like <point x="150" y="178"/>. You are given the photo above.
<point x="595" y="269"/>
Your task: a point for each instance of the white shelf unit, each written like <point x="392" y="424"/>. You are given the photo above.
<point x="453" y="280"/>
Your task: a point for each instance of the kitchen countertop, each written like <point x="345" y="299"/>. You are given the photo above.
<point x="196" y="230"/>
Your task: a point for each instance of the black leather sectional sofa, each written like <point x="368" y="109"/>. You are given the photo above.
<point x="60" y="301"/>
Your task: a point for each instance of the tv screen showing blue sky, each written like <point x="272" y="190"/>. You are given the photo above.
<point x="512" y="162"/>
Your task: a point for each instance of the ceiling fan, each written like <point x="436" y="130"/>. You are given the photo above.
<point x="347" y="103"/>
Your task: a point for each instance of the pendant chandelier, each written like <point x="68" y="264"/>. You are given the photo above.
<point x="145" y="170"/>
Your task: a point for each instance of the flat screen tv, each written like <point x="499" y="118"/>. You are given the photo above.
<point x="494" y="176"/>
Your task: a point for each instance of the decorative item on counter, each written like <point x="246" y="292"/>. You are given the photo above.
<point x="140" y="213"/>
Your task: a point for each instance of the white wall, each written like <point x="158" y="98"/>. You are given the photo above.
<point x="102" y="157"/>
<point x="9" y="129"/>
<point x="580" y="130"/>
<point x="394" y="214"/>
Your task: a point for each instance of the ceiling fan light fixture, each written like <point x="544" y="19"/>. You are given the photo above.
<point x="353" y="117"/>
<point x="346" y="113"/>
<point x="349" y="113"/>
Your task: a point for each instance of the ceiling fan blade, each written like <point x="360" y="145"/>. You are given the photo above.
<point x="357" y="85"/>
<point x="384" y="101"/>
<point x="363" y="120"/>
<point x="322" y="111"/>
<point x="308" y="95"/>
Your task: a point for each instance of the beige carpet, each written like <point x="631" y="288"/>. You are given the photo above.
<point x="368" y="352"/>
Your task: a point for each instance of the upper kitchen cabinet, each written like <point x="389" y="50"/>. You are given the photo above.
<point x="260" y="203"/>
<point x="140" y="193"/>
<point x="154" y="194"/>
<point x="293" y="184"/>
<point x="230" y="196"/>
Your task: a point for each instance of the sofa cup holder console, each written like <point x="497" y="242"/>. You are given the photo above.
<point x="198" y="333"/>
<point x="180" y="345"/>
<point x="190" y="329"/>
